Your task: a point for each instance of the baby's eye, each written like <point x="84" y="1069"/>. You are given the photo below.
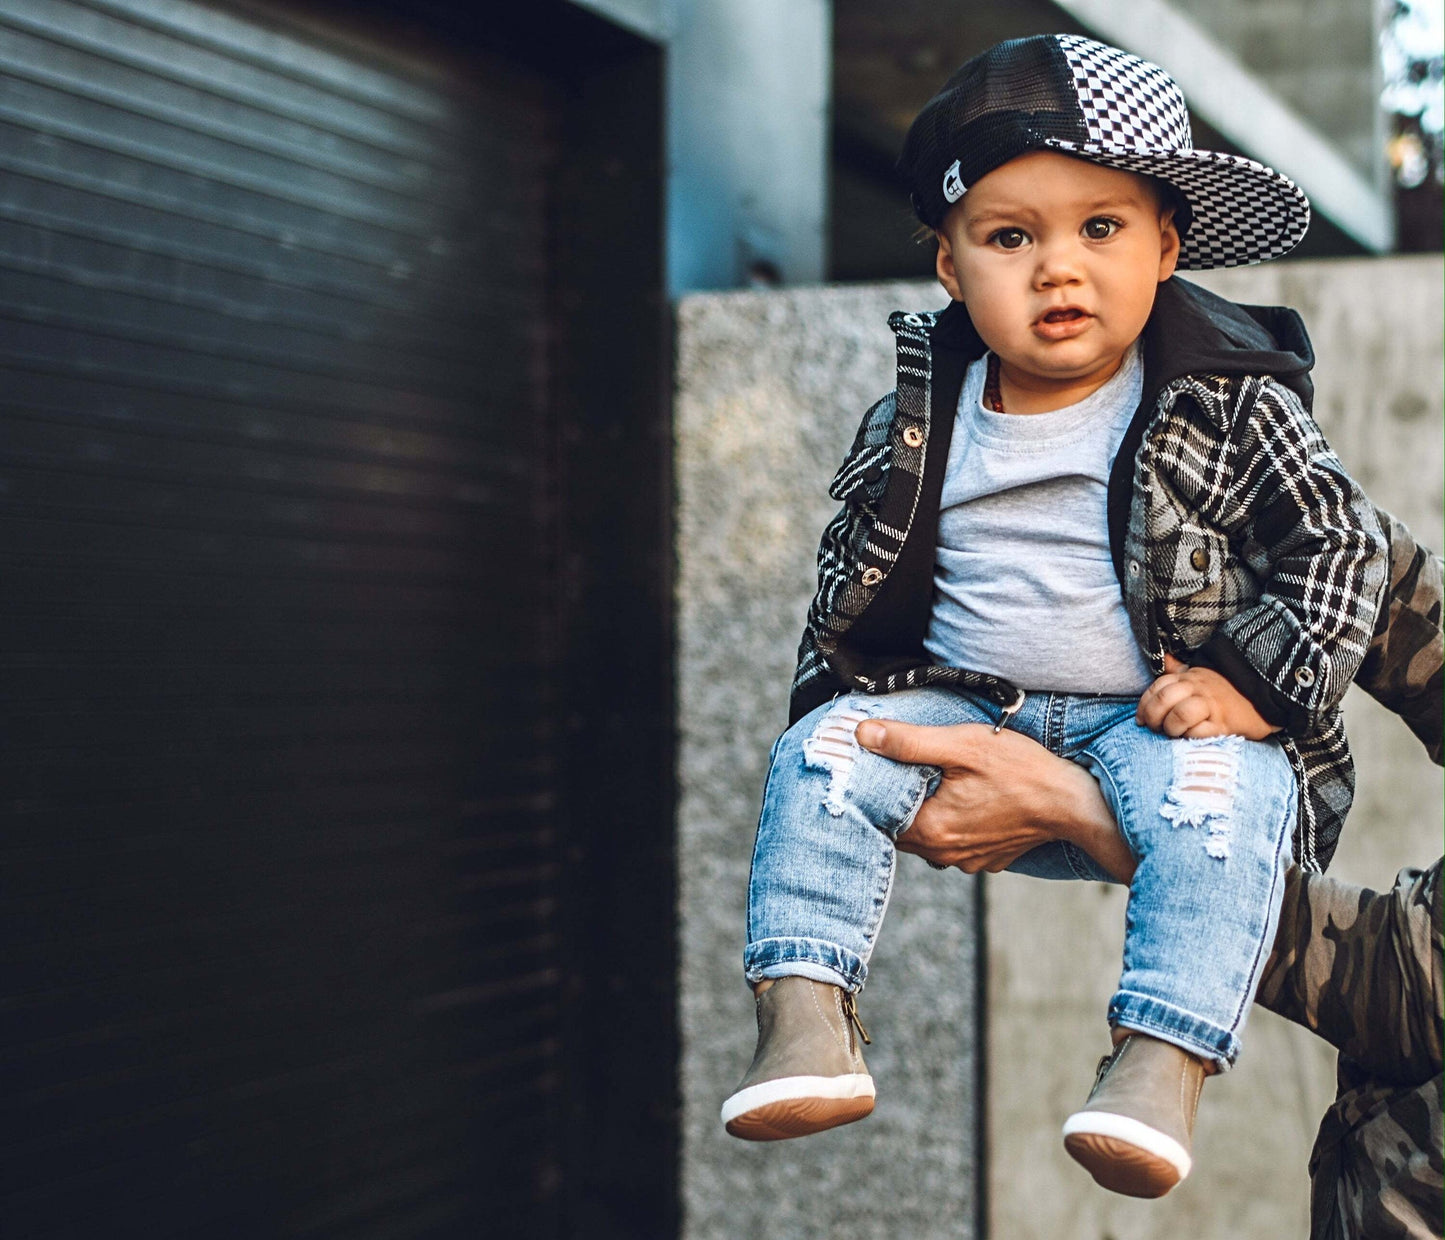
<point x="1100" y="228"/>
<point x="1009" y="238"/>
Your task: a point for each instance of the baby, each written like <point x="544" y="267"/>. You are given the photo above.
<point x="1096" y="510"/>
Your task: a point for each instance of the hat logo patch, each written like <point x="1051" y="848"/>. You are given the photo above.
<point x="953" y="183"/>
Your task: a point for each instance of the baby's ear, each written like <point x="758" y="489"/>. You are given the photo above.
<point x="946" y="268"/>
<point x="1169" y="244"/>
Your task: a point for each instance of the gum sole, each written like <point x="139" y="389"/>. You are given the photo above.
<point x="797" y="1117"/>
<point x="1121" y="1167"/>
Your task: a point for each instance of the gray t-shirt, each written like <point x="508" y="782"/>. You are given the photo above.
<point x="1024" y="584"/>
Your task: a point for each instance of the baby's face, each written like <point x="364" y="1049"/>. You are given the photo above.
<point x="1058" y="261"/>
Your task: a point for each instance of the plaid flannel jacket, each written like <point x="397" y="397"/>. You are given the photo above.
<point x="1239" y="540"/>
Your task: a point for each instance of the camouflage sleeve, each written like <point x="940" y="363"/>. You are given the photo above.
<point x="1364" y="971"/>
<point x="1402" y="667"/>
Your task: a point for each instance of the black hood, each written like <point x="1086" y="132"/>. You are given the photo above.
<point x="1193" y="331"/>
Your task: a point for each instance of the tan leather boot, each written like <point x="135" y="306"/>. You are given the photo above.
<point x="808" y="1072"/>
<point x="1135" y="1132"/>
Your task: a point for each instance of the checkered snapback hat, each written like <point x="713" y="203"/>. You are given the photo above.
<point x="1061" y="92"/>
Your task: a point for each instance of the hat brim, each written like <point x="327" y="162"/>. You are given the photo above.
<point x="1243" y="211"/>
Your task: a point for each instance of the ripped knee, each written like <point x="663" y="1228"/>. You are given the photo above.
<point x="833" y="748"/>
<point x="1202" y="793"/>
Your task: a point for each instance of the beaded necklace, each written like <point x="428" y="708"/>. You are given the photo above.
<point x="992" y="387"/>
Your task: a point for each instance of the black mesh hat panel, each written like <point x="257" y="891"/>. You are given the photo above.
<point x="999" y="104"/>
<point x="1025" y="75"/>
<point x="1083" y="98"/>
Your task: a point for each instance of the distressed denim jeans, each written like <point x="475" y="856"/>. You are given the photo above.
<point x="1209" y="822"/>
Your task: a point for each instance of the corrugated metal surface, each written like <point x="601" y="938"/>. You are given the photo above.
<point x="279" y="922"/>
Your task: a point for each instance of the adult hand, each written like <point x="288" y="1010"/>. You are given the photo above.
<point x="1001" y="795"/>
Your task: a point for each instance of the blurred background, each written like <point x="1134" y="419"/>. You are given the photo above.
<point x="394" y="626"/>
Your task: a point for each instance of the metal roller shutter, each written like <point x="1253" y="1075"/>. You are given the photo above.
<point x="279" y="544"/>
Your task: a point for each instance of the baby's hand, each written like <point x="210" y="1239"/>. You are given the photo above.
<point x="1196" y="702"/>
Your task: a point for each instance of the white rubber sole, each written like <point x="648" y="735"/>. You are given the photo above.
<point x="794" y="1088"/>
<point x="797" y="1106"/>
<point x="1125" y="1155"/>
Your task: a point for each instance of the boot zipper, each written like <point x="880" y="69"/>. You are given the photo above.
<point x="850" y="1010"/>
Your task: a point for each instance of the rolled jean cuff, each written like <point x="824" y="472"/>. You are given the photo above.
<point x="1173" y="1024"/>
<point x="814" y="958"/>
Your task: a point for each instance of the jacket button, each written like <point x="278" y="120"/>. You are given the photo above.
<point x="1199" y="557"/>
<point x="873" y="473"/>
<point x="872" y="576"/>
<point x="1133" y="568"/>
<point x="913" y="320"/>
<point x="1304" y="677"/>
<point x="913" y="437"/>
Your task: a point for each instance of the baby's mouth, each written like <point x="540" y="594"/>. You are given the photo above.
<point x="1063" y="316"/>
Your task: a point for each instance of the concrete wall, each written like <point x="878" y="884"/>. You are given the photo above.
<point x="770" y="388"/>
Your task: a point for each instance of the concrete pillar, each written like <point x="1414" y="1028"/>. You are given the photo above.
<point x="748" y="86"/>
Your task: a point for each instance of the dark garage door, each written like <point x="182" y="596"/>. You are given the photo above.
<point x="291" y="590"/>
